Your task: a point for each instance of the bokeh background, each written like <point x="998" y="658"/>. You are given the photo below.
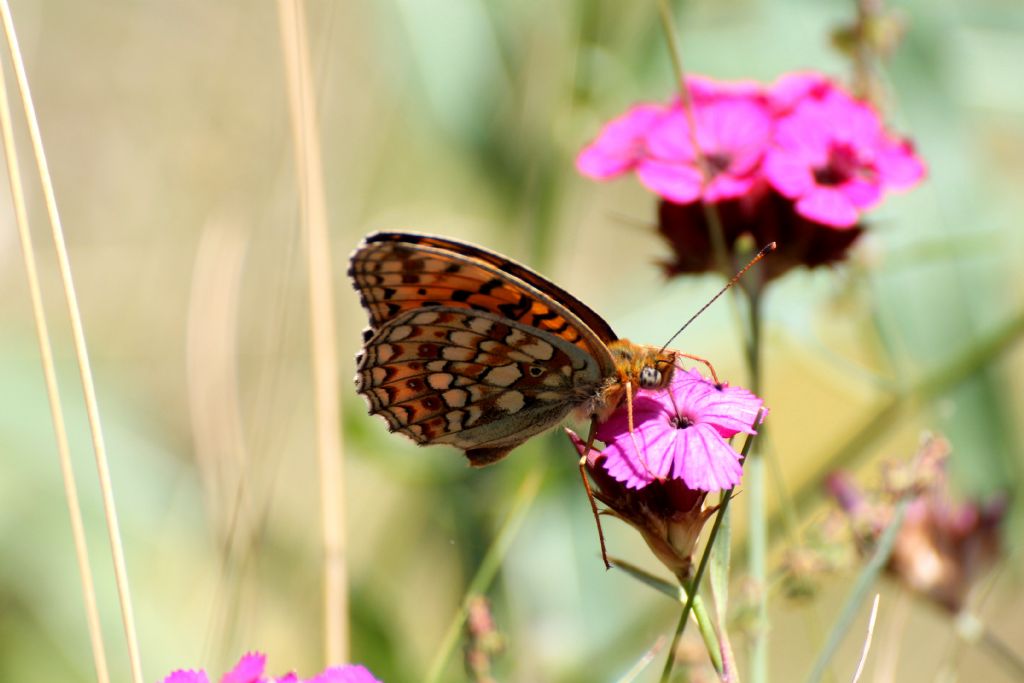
<point x="166" y="126"/>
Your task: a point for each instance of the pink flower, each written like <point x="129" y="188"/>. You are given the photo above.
<point x="250" y="670"/>
<point x="733" y="131"/>
<point x="187" y="676"/>
<point x="668" y="514"/>
<point x="734" y="128"/>
<point x="706" y="89"/>
<point x="681" y="433"/>
<point x="353" y="673"/>
<point x="831" y="155"/>
<point x="793" y="88"/>
<point x="622" y="143"/>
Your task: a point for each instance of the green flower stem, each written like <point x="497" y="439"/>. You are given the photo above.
<point x="682" y="595"/>
<point x="865" y="580"/>
<point x="718" y="245"/>
<point x="691" y="593"/>
<point x="695" y="583"/>
<point x="485" y="574"/>
<point x="754" y="486"/>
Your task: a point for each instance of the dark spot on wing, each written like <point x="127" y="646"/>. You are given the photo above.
<point x="490" y="286"/>
<point x="518" y="309"/>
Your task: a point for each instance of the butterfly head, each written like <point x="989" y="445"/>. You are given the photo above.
<point x="646" y="367"/>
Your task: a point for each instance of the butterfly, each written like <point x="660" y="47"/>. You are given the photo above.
<point x="469" y="348"/>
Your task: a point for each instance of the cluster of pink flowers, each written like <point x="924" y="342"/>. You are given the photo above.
<point x="250" y="670"/>
<point x="783" y="162"/>
<point x="804" y="137"/>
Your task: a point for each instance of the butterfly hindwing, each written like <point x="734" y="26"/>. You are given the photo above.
<point x="472" y="379"/>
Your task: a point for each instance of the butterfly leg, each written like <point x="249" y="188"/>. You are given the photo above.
<point x="707" y="364"/>
<point x="590" y="492"/>
<point x="632" y="434"/>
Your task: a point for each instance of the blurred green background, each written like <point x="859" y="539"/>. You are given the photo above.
<point x="166" y="126"/>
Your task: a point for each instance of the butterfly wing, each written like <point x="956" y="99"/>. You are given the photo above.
<point x="397" y="272"/>
<point x="472" y="379"/>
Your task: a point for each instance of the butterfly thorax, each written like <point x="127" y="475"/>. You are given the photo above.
<point x="641" y="366"/>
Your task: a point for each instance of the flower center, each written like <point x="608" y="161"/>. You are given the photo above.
<point x="681" y="421"/>
<point x="843" y="164"/>
<point x="716" y="163"/>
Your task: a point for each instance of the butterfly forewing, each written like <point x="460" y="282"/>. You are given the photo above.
<point x="472" y="379"/>
<point x="466" y="251"/>
<point x="395" y="273"/>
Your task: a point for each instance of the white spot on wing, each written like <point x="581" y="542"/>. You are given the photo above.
<point x="385" y="352"/>
<point x="400" y="332"/>
<point x="480" y="325"/>
<point x="455" y="420"/>
<point x="463" y="338"/>
<point x="510" y="401"/>
<point x="539" y="349"/>
<point x="554" y="379"/>
<point x="474" y="414"/>
<point x="440" y="380"/>
<point x="516" y="337"/>
<point x="454" y="398"/>
<point x="425" y="318"/>
<point x="458" y="353"/>
<point x="503" y="375"/>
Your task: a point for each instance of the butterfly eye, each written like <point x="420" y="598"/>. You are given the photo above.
<point x="650" y="378"/>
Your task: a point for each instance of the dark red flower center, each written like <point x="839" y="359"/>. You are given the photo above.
<point x="843" y="164"/>
<point x="681" y="421"/>
<point x="716" y="163"/>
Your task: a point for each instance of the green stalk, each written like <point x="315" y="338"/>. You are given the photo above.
<point x="682" y="595"/>
<point x="754" y="486"/>
<point x="691" y="590"/>
<point x="714" y="221"/>
<point x="860" y="590"/>
<point x="694" y="586"/>
<point x="485" y="574"/>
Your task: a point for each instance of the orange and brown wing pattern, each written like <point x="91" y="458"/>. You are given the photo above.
<point x="472" y="379"/>
<point x="399" y="272"/>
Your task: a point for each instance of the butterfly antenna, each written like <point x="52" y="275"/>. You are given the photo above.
<point x="767" y="249"/>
